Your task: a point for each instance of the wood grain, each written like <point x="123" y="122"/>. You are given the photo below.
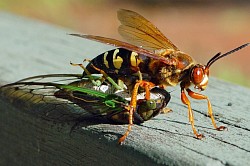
<point x="29" y="47"/>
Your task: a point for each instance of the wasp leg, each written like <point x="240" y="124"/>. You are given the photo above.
<point x="147" y="85"/>
<point x="95" y="82"/>
<point x="133" y="102"/>
<point x="210" y="112"/>
<point x="186" y="101"/>
<point x="139" y="74"/>
<point x="131" y="112"/>
<point x="80" y="65"/>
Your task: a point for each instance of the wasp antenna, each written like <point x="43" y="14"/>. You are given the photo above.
<point x="213" y="59"/>
<point x="219" y="56"/>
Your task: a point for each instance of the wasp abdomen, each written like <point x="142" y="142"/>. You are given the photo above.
<point x="117" y="62"/>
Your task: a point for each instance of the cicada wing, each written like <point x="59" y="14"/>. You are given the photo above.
<point x="139" y="31"/>
<point x="36" y="95"/>
<point x="60" y="102"/>
<point x="39" y="100"/>
<point x="95" y="104"/>
<point x="60" y="78"/>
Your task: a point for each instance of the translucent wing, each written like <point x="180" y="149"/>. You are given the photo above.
<point x="128" y="46"/>
<point x="57" y="100"/>
<point x="141" y="32"/>
<point x="62" y="100"/>
<point x="39" y="100"/>
<point x="65" y="78"/>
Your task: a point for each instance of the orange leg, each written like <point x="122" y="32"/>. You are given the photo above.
<point x="134" y="95"/>
<point x="210" y="112"/>
<point x="80" y="65"/>
<point x="185" y="101"/>
<point x="131" y="112"/>
<point x="133" y="102"/>
<point x="101" y="71"/>
<point x="94" y="81"/>
<point x="147" y="86"/>
<point x="147" y="91"/>
<point x="87" y="72"/>
<point x="107" y="77"/>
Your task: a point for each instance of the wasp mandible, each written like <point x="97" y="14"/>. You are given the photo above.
<point x="154" y="58"/>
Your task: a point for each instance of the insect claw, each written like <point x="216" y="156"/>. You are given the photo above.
<point x="87" y="60"/>
<point x="121" y="140"/>
<point x="76" y="64"/>
<point x="199" y="136"/>
<point x="166" y="110"/>
<point x="221" y="128"/>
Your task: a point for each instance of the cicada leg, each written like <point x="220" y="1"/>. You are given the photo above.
<point x="106" y="76"/>
<point x="147" y="86"/>
<point x="210" y="112"/>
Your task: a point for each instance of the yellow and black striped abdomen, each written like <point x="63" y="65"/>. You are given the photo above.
<point x="117" y="62"/>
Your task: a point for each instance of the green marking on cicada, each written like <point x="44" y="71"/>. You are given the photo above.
<point x="74" y="98"/>
<point x="110" y="103"/>
<point x="84" y="90"/>
<point x="110" y="100"/>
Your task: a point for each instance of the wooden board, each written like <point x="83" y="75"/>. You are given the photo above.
<point x="29" y="47"/>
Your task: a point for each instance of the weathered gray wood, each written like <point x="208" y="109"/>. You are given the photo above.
<point x="29" y="48"/>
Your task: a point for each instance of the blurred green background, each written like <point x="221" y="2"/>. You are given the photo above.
<point x="199" y="28"/>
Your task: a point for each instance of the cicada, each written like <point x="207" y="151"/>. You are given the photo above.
<point x="71" y="97"/>
<point x="152" y="58"/>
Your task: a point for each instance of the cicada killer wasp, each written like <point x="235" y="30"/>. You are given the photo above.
<point x="155" y="59"/>
<point x="71" y="98"/>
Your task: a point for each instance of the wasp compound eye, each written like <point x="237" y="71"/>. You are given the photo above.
<point x="197" y="75"/>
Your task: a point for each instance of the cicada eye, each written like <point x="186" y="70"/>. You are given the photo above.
<point x="197" y="75"/>
<point x="151" y="104"/>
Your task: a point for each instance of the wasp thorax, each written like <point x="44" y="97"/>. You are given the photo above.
<point x="199" y="76"/>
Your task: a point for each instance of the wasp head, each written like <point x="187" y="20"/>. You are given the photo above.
<point x="199" y="73"/>
<point x="199" y="76"/>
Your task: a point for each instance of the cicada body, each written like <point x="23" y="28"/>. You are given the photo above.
<point x="72" y="98"/>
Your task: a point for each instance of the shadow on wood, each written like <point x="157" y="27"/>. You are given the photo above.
<point x="31" y="48"/>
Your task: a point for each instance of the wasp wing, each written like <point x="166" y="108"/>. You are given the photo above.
<point x="141" y="32"/>
<point x="128" y="46"/>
